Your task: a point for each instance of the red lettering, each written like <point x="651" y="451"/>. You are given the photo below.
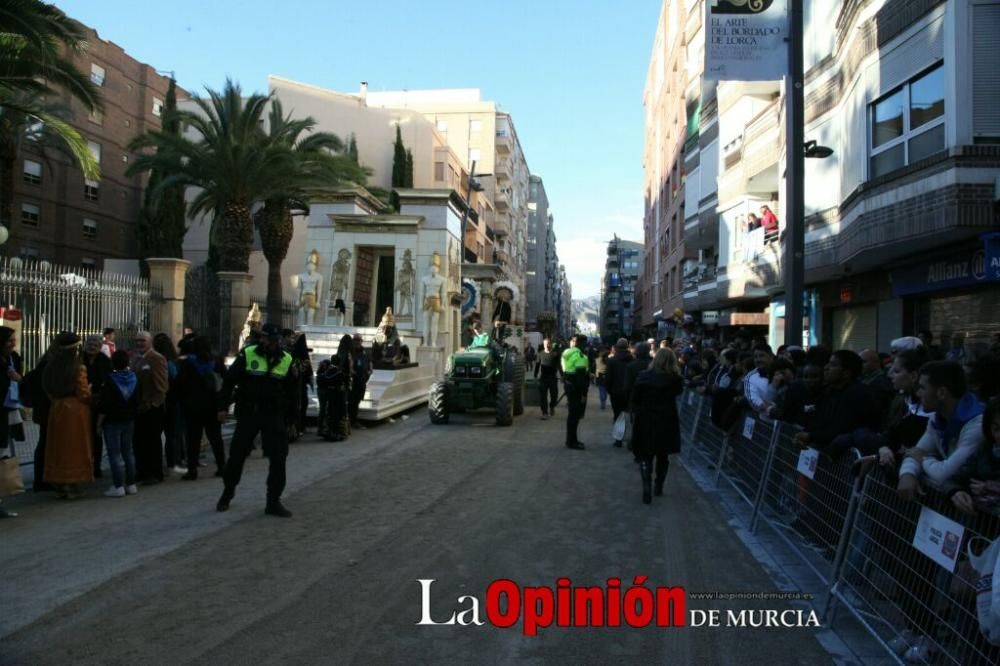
<point x="614" y="608"/>
<point x="538" y="609"/>
<point x="588" y="610"/>
<point x="563" y="608"/>
<point x="667" y="599"/>
<point x="497" y="617"/>
<point x="638" y="607"/>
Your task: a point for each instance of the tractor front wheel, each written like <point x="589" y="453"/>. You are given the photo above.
<point x="505" y="404"/>
<point x="437" y="403"/>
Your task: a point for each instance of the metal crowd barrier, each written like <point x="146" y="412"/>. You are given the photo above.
<point x="851" y="528"/>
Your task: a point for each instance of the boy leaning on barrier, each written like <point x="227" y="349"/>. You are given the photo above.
<point x="952" y="437"/>
<point x="977" y="484"/>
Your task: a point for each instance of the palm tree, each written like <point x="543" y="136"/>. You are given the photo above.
<point x="318" y="160"/>
<point x="37" y="41"/>
<point x="232" y="162"/>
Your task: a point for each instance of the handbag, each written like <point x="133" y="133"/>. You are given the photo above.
<point x="618" y="430"/>
<point x="10" y="477"/>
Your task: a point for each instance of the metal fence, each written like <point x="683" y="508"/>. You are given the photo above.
<point x="845" y="520"/>
<point x="54" y="298"/>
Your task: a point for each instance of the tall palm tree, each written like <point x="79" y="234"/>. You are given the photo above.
<point x="37" y="42"/>
<point x="231" y="161"/>
<point x="318" y="160"/>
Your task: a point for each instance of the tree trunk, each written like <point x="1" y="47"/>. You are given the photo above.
<point x="274" y="222"/>
<point x="7" y="164"/>
<point x="235" y="237"/>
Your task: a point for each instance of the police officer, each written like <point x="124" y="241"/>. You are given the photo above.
<point x="576" y="381"/>
<point x="266" y="403"/>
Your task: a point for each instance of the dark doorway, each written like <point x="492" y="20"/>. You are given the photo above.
<point x="384" y="286"/>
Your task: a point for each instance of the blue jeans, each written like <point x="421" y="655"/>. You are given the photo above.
<point x="602" y="392"/>
<point x="118" y="440"/>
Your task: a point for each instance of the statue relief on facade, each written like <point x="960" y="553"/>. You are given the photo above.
<point x="310" y="290"/>
<point x="406" y="281"/>
<point x="341" y="274"/>
<point x="433" y="300"/>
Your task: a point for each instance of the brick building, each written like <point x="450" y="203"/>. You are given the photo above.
<point x="60" y="217"/>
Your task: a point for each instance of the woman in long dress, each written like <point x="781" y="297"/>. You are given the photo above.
<point x="68" y="453"/>
<point x="656" y="433"/>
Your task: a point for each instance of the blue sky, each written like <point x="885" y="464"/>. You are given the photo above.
<point x="571" y="73"/>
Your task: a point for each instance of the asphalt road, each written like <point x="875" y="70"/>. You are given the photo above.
<point x="162" y="578"/>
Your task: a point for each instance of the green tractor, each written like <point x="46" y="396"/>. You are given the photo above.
<point x="483" y="376"/>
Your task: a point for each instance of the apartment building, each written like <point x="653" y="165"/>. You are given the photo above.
<point x="477" y="131"/>
<point x="666" y="255"/>
<point x="622" y="269"/>
<point x="900" y="219"/>
<point x="536" y="275"/>
<point x="59" y="216"/>
<point x="564" y="306"/>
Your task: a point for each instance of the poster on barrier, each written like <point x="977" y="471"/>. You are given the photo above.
<point x="938" y="537"/>
<point x="808" y="459"/>
<point x="748" y="427"/>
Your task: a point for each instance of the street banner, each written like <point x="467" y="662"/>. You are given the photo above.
<point x="938" y="538"/>
<point x="745" y="40"/>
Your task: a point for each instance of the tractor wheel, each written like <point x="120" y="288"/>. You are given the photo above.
<point x="519" y="387"/>
<point x="437" y="403"/>
<point x="505" y="404"/>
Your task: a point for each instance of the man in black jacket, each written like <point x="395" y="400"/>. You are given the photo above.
<point x="548" y="370"/>
<point x="267" y="403"/>
<point x="616" y="380"/>
<point x="846" y="405"/>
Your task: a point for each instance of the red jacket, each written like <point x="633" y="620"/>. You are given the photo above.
<point x="769" y="221"/>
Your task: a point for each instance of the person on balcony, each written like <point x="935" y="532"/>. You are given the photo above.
<point x="769" y="221"/>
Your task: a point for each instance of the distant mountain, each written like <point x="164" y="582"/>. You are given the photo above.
<point x="587" y="309"/>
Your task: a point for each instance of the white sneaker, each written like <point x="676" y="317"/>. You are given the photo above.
<point x="180" y="470"/>
<point x="920" y="652"/>
<point x="131" y="489"/>
<point x="115" y="491"/>
<point x="903" y="642"/>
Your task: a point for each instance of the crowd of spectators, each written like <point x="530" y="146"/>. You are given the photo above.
<point x="148" y="409"/>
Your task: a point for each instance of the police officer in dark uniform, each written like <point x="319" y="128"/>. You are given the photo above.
<point x="576" y="381"/>
<point x="266" y="403"/>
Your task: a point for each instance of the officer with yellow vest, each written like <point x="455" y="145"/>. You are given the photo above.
<point x="576" y="381"/>
<point x="267" y="391"/>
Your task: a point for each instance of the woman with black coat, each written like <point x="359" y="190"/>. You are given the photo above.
<point x="656" y="432"/>
<point x="336" y="382"/>
<point x="199" y="381"/>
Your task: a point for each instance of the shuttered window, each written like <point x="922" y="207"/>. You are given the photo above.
<point x="985" y="70"/>
<point x="855" y="328"/>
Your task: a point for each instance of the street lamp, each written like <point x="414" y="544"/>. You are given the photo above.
<point x="814" y="150"/>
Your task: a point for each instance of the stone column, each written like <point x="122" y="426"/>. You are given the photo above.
<point x="239" y="305"/>
<point x="167" y="276"/>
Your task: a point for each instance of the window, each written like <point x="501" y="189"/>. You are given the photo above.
<point x="442" y="125"/>
<point x="157" y="106"/>
<point x="908" y="123"/>
<point x="33" y="132"/>
<point x="128" y="123"/>
<point x="96" y="116"/>
<point x="97" y="74"/>
<point x="30" y="214"/>
<point x="32" y="172"/>
<point x="475" y="125"/>
<point x="87" y="262"/>
<point x="29" y="253"/>
<point x="91" y="190"/>
<point x="95" y="150"/>
<point x="124" y="159"/>
<point x="473" y="155"/>
<point x="89" y="229"/>
<point x="439" y="171"/>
